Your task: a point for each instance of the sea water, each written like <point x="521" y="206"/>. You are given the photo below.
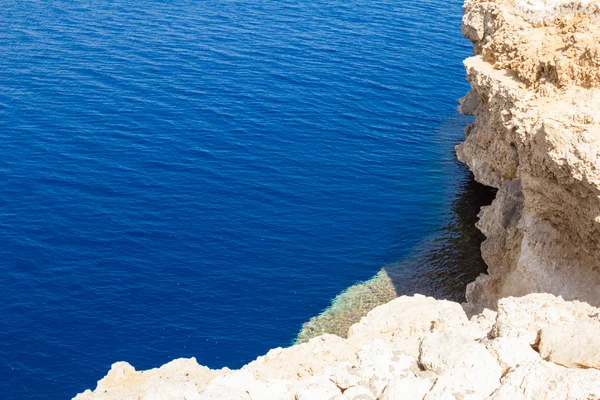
<point x="200" y="178"/>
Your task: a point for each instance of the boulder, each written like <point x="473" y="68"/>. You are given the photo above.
<point x="405" y="320"/>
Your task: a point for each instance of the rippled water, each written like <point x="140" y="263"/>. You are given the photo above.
<point x="200" y="178"/>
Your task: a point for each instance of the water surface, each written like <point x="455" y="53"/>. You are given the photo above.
<point x="200" y="178"/>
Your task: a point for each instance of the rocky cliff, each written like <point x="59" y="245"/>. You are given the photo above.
<point x="535" y="80"/>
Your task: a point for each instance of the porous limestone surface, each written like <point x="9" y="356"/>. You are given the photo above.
<point x="546" y="44"/>
<point x="535" y="80"/>
<point x="410" y="348"/>
<point x="541" y="11"/>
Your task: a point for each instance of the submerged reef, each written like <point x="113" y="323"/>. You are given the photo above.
<point x="529" y="328"/>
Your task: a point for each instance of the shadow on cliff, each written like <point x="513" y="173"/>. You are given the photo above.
<point x="450" y="258"/>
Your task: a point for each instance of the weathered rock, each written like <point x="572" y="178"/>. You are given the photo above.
<point x="545" y="380"/>
<point x="380" y="362"/>
<point x="320" y="388"/>
<point x="524" y="317"/>
<point x="303" y="360"/>
<point x="541" y="42"/>
<point x="405" y="320"/>
<point x="175" y="380"/>
<point x="464" y="365"/>
<point x="536" y="137"/>
<point x="358" y="393"/>
<point x="512" y="352"/>
<point x="572" y="344"/>
<point x="407" y="388"/>
<point x="242" y="384"/>
<point x="483" y="319"/>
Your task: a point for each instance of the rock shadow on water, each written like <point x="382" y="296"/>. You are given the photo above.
<point x="441" y="266"/>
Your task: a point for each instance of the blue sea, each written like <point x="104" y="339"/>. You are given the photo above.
<point x="200" y="178"/>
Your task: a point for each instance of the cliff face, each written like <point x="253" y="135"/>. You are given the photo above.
<point x="535" y="81"/>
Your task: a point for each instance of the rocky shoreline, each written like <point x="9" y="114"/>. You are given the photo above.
<point x="530" y="328"/>
<point x="410" y="348"/>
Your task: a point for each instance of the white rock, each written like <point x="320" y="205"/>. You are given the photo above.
<point x="407" y="388"/>
<point x="378" y="363"/>
<point x="346" y="375"/>
<point x="175" y="380"/>
<point x="316" y="389"/>
<point x="358" y="393"/>
<point x="572" y="345"/>
<point x="243" y="385"/>
<point x="524" y="317"/>
<point x="405" y="319"/>
<point x="512" y="352"/>
<point x="548" y="381"/>
<point x="455" y="385"/>
<point x="484" y="322"/>
<point x="303" y="360"/>
<point x="464" y="365"/>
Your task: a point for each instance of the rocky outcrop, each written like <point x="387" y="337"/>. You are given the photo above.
<point x="410" y="348"/>
<point x="535" y="81"/>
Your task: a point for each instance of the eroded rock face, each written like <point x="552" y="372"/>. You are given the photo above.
<point x="542" y="42"/>
<point x="536" y="137"/>
<point x="411" y="348"/>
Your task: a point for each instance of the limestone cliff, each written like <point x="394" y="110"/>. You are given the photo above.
<point x="535" y="81"/>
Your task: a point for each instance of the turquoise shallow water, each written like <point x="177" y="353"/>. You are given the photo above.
<point x="200" y="178"/>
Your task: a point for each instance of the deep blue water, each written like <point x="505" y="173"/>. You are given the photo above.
<point x="187" y="178"/>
